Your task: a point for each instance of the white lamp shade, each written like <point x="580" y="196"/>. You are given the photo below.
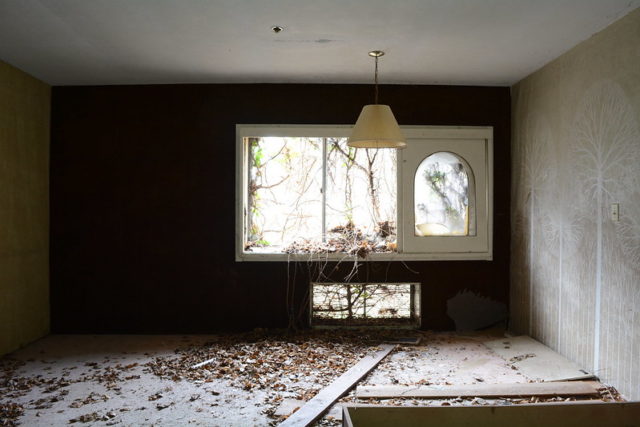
<point x="376" y="128"/>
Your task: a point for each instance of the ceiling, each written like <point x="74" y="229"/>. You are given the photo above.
<point x="477" y="42"/>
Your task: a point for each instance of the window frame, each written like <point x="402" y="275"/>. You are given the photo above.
<point x="343" y="131"/>
<point x="415" y="308"/>
<point x="473" y="153"/>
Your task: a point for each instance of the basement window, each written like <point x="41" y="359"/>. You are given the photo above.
<point x="304" y="194"/>
<point x="365" y="304"/>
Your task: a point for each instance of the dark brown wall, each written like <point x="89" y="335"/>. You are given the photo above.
<point x="142" y="203"/>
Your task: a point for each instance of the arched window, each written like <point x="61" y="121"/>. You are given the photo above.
<point x="444" y="196"/>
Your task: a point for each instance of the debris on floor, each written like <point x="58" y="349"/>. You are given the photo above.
<point x="321" y="402"/>
<point x="9" y="413"/>
<point x="133" y="380"/>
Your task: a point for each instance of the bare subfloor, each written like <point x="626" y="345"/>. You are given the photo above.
<point x="148" y="380"/>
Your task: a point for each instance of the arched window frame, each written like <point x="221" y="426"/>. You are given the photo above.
<point x="470" y="217"/>
<point x="475" y="147"/>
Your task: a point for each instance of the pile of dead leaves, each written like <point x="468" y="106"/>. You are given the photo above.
<point x="264" y="364"/>
<point x="91" y="398"/>
<point x="92" y="417"/>
<point x="109" y="376"/>
<point x="610" y="394"/>
<point x="339" y="245"/>
<point x="12" y="385"/>
<point x="277" y="363"/>
<point x="9" y="413"/>
<point x="350" y="240"/>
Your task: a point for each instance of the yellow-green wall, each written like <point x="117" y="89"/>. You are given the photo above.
<point x="24" y="208"/>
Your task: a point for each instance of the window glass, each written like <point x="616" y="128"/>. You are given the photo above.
<point x="314" y="195"/>
<point x="363" y="304"/>
<point x="442" y="196"/>
<point x="361" y="194"/>
<point x="285" y="192"/>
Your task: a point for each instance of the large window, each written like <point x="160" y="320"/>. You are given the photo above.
<point x="311" y="195"/>
<point x="303" y="193"/>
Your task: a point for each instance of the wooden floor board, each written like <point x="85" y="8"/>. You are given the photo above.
<point x="567" y="388"/>
<point x="314" y="408"/>
<point x="547" y="415"/>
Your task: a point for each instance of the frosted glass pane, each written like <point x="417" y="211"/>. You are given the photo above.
<point x="441" y="196"/>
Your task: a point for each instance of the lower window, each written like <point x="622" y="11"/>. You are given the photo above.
<point x="365" y="304"/>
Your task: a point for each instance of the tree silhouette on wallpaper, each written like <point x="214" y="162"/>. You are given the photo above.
<point x="567" y="224"/>
<point x="536" y="138"/>
<point x="604" y="145"/>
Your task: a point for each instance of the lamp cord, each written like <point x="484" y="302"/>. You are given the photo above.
<point x="376" y="81"/>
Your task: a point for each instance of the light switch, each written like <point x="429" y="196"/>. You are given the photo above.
<point x="615" y="212"/>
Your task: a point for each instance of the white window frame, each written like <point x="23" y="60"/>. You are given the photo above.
<point x="413" y="134"/>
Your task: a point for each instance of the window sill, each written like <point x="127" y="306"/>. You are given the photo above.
<point x="374" y="257"/>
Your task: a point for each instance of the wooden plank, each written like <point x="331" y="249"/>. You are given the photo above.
<point x="625" y="414"/>
<point x="537" y="361"/>
<point x="567" y="388"/>
<point x="315" y="407"/>
<point x="287" y="406"/>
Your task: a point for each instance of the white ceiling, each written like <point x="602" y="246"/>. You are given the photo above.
<point x="478" y="42"/>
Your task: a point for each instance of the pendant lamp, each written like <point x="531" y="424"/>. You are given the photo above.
<point x="376" y="126"/>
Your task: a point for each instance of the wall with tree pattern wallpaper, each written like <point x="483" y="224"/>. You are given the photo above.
<point x="575" y="273"/>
